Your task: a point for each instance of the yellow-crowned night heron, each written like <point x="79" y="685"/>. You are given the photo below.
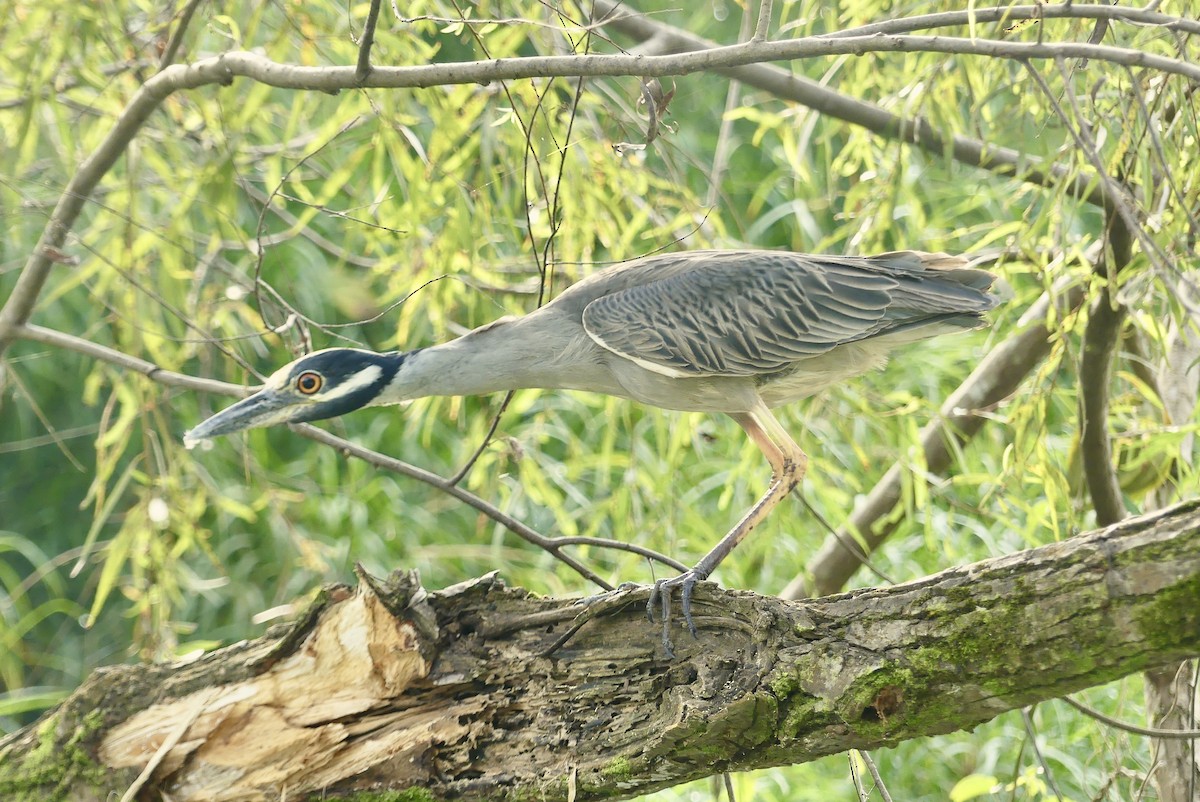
<point x="737" y="332"/>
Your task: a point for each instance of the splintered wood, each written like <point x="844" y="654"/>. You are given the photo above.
<point x="330" y="710"/>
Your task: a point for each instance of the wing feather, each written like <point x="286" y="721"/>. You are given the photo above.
<point x="740" y="313"/>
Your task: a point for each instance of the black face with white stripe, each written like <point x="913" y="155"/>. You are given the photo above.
<point x="335" y="381"/>
<point x="320" y="385"/>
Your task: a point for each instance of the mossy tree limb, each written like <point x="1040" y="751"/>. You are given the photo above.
<point x="389" y="692"/>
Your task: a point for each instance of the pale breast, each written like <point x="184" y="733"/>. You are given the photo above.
<point x="703" y="394"/>
<point x="811" y="376"/>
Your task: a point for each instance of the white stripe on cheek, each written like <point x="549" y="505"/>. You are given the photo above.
<point x="364" y="378"/>
<point x="280" y="379"/>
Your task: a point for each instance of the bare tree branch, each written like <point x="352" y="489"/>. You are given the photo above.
<point x="513" y="525"/>
<point x="363" y="68"/>
<point x="875" y="775"/>
<point x="224" y="68"/>
<point x="763" y="25"/>
<point x="181" y="28"/>
<point x="917" y="130"/>
<point x="1125" y="726"/>
<point x="387" y="688"/>
<point x="1100" y="340"/>
<point x="112" y="356"/>
<point x="1135" y="16"/>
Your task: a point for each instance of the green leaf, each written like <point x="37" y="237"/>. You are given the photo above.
<point x="972" y="786"/>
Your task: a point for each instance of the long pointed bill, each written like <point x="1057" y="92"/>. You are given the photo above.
<point x="264" y="408"/>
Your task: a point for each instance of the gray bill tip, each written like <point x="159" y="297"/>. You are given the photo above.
<point x="249" y="413"/>
<point x="190" y="441"/>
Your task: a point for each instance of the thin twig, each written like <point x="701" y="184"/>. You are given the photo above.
<point x="871" y="767"/>
<point x="103" y="353"/>
<point x="1167" y="170"/>
<point x="618" y="545"/>
<point x="297" y="227"/>
<point x="720" y="158"/>
<point x="1103" y="332"/>
<point x="542" y="268"/>
<point x="1121" y="200"/>
<point x="1016" y="769"/>
<point x="1125" y="726"/>
<point x="1125" y="203"/>
<point x="518" y="528"/>
<point x="553" y="545"/>
<point x="547" y="250"/>
<point x="55" y="436"/>
<point x="863" y="796"/>
<point x="556" y="194"/>
<point x="363" y="68"/>
<point x="172" y="48"/>
<point x="847" y="542"/>
<point x="260" y="250"/>
<point x="946" y="19"/>
<point x="764" y="21"/>
<point x="1037" y="751"/>
<point x="462" y="472"/>
<point x="733" y="95"/>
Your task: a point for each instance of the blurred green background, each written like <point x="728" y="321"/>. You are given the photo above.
<point x="396" y="219"/>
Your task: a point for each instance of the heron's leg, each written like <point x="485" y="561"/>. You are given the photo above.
<point x="788" y="464"/>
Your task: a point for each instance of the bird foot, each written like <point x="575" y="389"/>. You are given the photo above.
<point x="660" y="597"/>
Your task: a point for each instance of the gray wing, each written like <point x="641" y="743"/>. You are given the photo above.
<point x="752" y="313"/>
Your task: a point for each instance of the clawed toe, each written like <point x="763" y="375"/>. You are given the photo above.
<point x="660" y="597"/>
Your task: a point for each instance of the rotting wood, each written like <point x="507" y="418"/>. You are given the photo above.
<point x="451" y="694"/>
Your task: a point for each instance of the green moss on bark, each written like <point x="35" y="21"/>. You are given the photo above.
<point x="618" y="769"/>
<point x="55" y="768"/>
<point x="1173" y="615"/>
<point x="407" y="795"/>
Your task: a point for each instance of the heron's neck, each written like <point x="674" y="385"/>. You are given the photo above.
<point x="510" y="354"/>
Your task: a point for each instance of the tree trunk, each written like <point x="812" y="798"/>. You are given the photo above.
<point x="1171" y="701"/>
<point x="1171" y="692"/>
<point x="462" y="693"/>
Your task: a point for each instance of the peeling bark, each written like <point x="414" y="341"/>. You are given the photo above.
<point x="387" y="689"/>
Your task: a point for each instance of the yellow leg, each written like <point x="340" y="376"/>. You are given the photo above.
<point x="788" y="465"/>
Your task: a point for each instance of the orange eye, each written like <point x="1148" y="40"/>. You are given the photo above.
<point x="309" y="382"/>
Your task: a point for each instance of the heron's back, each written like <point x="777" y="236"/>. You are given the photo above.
<point x="753" y="313"/>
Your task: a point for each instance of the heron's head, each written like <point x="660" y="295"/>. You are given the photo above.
<point x="323" y="384"/>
